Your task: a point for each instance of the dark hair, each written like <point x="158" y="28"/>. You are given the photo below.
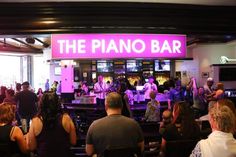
<point x="114" y="100"/>
<point x="18" y="86"/>
<point x="3" y="89"/>
<point x="26" y="83"/>
<point x="10" y="92"/>
<point x="50" y="109"/>
<point x="122" y="88"/>
<point x="39" y="90"/>
<point x="184" y="116"/>
<point x="171" y="83"/>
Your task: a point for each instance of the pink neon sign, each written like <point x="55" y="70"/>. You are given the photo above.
<point x="111" y="46"/>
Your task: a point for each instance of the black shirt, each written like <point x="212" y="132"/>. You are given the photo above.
<point x="26" y="101"/>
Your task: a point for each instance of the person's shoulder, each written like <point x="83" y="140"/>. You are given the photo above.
<point x="18" y="93"/>
<point x="16" y="129"/>
<point x="65" y="115"/>
<point x="36" y="119"/>
<point x="16" y="132"/>
<point x="100" y="120"/>
<point x="98" y="123"/>
<point x="129" y="121"/>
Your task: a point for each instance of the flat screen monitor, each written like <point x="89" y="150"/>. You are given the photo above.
<point x="133" y="66"/>
<point x="162" y="65"/>
<point x="227" y="74"/>
<point x="104" y="67"/>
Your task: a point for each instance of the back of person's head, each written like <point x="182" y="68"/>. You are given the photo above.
<point x="179" y="110"/>
<point x="114" y="101"/>
<point x="183" y="115"/>
<point x="227" y="102"/>
<point x="122" y="88"/>
<point x="25" y="85"/>
<point x="18" y="86"/>
<point x="222" y="118"/>
<point x="178" y="83"/>
<point x="7" y="114"/>
<point x="10" y="92"/>
<point x="167" y="117"/>
<point x="220" y="85"/>
<point x="3" y="89"/>
<point x="152" y="95"/>
<point x="50" y="109"/>
<point x="210" y="81"/>
<point x="171" y="83"/>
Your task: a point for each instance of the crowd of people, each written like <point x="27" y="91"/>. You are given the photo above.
<point x="34" y="125"/>
<point x="35" y="122"/>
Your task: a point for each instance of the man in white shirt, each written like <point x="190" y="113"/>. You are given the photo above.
<point x="100" y="89"/>
<point x="148" y="87"/>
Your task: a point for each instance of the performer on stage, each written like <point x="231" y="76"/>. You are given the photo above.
<point x="100" y="89"/>
<point x="148" y="87"/>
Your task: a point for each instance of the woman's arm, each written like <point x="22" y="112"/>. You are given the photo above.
<point x="35" y="129"/>
<point x="163" y="148"/>
<point x="194" y="85"/>
<point x="17" y="135"/>
<point x="69" y="126"/>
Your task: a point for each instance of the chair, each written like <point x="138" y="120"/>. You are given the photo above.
<point x="5" y="151"/>
<point x="182" y="148"/>
<point x="122" y="152"/>
<point x="150" y="131"/>
<point x="205" y="129"/>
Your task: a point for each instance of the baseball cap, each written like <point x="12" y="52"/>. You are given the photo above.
<point x="26" y="83"/>
<point x="209" y="79"/>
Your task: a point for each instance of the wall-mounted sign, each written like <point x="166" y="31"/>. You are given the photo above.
<point x="114" y="46"/>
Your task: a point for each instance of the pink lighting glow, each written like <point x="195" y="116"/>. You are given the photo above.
<point x="112" y="46"/>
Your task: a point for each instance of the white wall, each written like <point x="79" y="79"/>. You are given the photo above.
<point x="41" y="72"/>
<point x="203" y="57"/>
<point x="54" y="77"/>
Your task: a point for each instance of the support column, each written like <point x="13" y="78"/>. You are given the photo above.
<point x="172" y="69"/>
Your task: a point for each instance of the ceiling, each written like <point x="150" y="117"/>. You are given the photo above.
<point x="211" y="21"/>
<point x="195" y="2"/>
<point x="22" y="44"/>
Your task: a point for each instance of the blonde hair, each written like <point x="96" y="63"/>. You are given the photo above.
<point x="220" y="85"/>
<point x="7" y="113"/>
<point x="152" y="95"/>
<point x="223" y="117"/>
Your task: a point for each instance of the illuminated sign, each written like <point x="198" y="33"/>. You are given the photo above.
<point x="114" y="46"/>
